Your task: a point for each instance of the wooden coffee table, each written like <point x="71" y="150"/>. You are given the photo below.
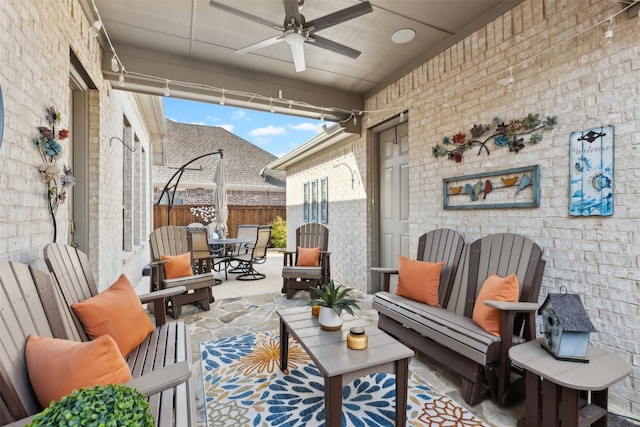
<point x="341" y="365"/>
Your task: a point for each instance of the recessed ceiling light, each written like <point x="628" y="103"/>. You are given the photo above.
<point x="404" y="35"/>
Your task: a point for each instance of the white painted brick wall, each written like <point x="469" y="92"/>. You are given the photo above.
<point x="584" y="85"/>
<point x="347" y="216"/>
<point x="35" y="75"/>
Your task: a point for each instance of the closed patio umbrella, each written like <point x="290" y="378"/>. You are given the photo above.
<point x="220" y="197"/>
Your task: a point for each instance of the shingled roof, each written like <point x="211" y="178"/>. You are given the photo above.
<point x="570" y="312"/>
<point x="243" y="160"/>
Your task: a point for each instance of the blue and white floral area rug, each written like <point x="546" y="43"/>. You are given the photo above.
<point x="244" y="386"/>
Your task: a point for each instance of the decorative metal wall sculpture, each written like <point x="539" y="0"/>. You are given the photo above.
<point x="56" y="179"/>
<point x="503" y="134"/>
<point x="591" y="172"/>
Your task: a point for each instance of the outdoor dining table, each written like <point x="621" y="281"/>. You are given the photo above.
<point x="216" y="244"/>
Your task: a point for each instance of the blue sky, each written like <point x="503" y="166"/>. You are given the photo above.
<point x="276" y="133"/>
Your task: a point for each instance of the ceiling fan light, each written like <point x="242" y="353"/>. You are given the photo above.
<point x="294" y="39"/>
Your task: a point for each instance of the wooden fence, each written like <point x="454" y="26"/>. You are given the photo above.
<point x="238" y="214"/>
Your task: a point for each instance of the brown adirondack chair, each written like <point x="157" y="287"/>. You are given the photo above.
<point x="256" y="254"/>
<point x="173" y="241"/>
<point x="24" y="293"/>
<point x="299" y="278"/>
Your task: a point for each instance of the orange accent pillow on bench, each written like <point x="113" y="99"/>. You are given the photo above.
<point x="419" y="280"/>
<point x="117" y="312"/>
<point x="498" y="289"/>
<point x="56" y="367"/>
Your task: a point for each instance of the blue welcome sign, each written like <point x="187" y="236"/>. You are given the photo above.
<point x="591" y="172"/>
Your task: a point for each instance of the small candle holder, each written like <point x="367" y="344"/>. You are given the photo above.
<point x="357" y="338"/>
<point x="315" y="310"/>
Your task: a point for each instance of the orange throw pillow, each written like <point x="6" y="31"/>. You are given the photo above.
<point x="495" y="288"/>
<point x="308" y="257"/>
<point x="56" y="367"/>
<point x="178" y="266"/>
<point x="116" y="312"/>
<point x="419" y="280"/>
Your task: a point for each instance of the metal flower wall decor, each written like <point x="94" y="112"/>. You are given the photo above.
<point x="501" y="133"/>
<point x="56" y="178"/>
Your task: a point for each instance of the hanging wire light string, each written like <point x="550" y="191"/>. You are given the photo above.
<point x="106" y="36"/>
<point x="352" y="114"/>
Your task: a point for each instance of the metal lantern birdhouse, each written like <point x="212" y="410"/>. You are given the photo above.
<point x="566" y="327"/>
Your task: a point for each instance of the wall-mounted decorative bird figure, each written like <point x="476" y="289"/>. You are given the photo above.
<point x="469" y="189"/>
<point x="524" y="182"/>
<point x="509" y="181"/>
<point x="477" y="188"/>
<point x="455" y="190"/>
<point x="487" y="188"/>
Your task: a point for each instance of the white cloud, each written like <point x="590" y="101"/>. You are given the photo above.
<point x="228" y="128"/>
<point x="269" y="130"/>
<point x="261" y="141"/>
<point x="238" y="114"/>
<point x="306" y="127"/>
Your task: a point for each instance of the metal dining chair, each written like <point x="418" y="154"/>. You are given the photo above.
<point x="257" y="254"/>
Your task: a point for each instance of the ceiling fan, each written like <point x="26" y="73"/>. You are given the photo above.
<point x="296" y="31"/>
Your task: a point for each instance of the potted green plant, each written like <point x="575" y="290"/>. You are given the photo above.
<point x="333" y="300"/>
<point x="108" y="405"/>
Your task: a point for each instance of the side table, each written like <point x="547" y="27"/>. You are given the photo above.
<point x="573" y="393"/>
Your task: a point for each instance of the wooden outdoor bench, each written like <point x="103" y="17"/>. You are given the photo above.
<point x="447" y="334"/>
<point x="23" y="292"/>
<point x="168" y="344"/>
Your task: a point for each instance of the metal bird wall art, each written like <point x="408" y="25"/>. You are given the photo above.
<point x="524" y="183"/>
<point x="474" y="189"/>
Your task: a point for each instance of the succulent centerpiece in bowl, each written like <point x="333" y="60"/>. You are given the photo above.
<point x="333" y="300"/>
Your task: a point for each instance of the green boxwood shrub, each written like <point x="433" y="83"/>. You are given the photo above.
<point x="99" y="406"/>
<point x="279" y="232"/>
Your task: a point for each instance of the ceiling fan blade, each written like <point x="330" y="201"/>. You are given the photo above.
<point x="333" y="46"/>
<point x="242" y="14"/>
<point x="340" y="16"/>
<point x="297" y="51"/>
<point x="259" y="45"/>
<point x="291" y="10"/>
